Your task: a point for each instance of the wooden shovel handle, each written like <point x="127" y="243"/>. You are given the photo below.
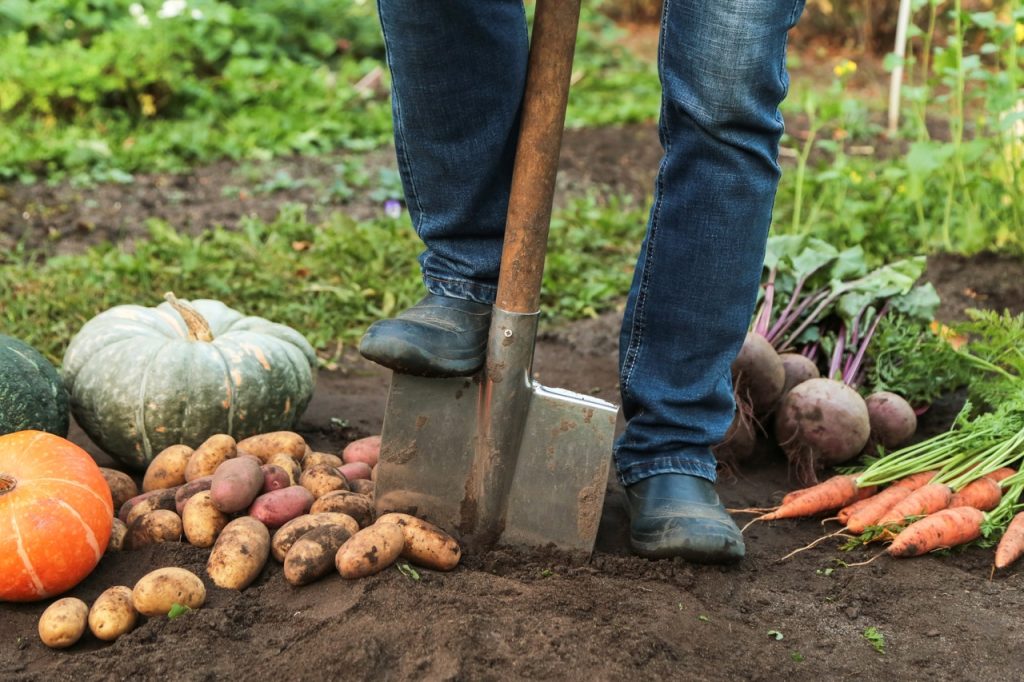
<point x="555" y="24"/>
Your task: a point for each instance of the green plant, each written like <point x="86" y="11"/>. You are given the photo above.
<point x="875" y="638"/>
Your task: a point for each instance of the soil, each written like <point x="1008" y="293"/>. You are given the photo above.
<point x="512" y="614"/>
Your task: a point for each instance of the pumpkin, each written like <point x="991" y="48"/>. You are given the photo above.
<point x="143" y="379"/>
<point x="55" y="515"/>
<point x="32" y="394"/>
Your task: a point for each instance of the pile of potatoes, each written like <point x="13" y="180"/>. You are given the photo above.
<point x="267" y="494"/>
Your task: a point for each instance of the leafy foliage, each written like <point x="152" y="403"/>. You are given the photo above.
<point x="913" y="361"/>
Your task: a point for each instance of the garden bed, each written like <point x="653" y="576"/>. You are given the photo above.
<point x="509" y="614"/>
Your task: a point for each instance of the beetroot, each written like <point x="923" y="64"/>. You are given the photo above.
<point x="893" y="421"/>
<point x="758" y="374"/>
<point x="798" y="369"/>
<point x="821" y="423"/>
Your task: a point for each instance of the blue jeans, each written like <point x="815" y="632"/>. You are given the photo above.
<point x="458" y="70"/>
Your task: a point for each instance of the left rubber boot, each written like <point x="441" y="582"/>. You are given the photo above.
<point x="678" y="515"/>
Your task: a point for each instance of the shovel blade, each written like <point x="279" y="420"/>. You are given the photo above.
<point x="433" y="432"/>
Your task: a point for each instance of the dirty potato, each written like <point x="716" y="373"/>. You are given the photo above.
<point x="289" y="533"/>
<point x="63" y="622"/>
<point x="118" y="534"/>
<point x="278" y="507"/>
<point x="122" y="486"/>
<point x="425" y="544"/>
<point x="370" y="550"/>
<point x="274" y="478"/>
<point x="160" y="525"/>
<point x="239" y="553"/>
<point x="236" y="483"/>
<point x="322" y="479"/>
<point x="167" y="470"/>
<point x="362" y="486"/>
<point x="112" y="614"/>
<point x="266" y="445"/>
<point x="313" y="555"/>
<point x="159" y="590"/>
<point x="145" y="503"/>
<point x="315" y="458"/>
<point x="288" y="464"/>
<point x="209" y="455"/>
<point x="359" y="507"/>
<point x="202" y="521"/>
<point x="182" y="495"/>
<point x="356" y="471"/>
<point x="363" y="450"/>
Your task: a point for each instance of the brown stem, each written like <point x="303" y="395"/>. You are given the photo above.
<point x="7" y="483"/>
<point x="198" y="327"/>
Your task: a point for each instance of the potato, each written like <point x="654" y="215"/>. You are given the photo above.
<point x="373" y="474"/>
<point x="278" y="507"/>
<point x="160" y="525"/>
<point x="370" y="550"/>
<point x="359" y="507"/>
<point x="209" y="456"/>
<point x="267" y="445"/>
<point x="112" y="614"/>
<point x="274" y="478"/>
<point x="239" y="554"/>
<point x="363" y="487"/>
<point x="356" y="471"/>
<point x="236" y="483"/>
<point x="167" y="470"/>
<point x="314" y="458"/>
<point x="188" y="490"/>
<point x="159" y="590"/>
<point x="363" y="450"/>
<point x="288" y="464"/>
<point x="322" y="479"/>
<point x="118" y="534"/>
<point x="63" y="622"/>
<point x="313" y="555"/>
<point x="145" y="503"/>
<point x="122" y="486"/>
<point x="289" y="533"/>
<point x="202" y="521"/>
<point x="425" y="544"/>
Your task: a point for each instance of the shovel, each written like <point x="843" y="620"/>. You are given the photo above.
<point x="497" y="458"/>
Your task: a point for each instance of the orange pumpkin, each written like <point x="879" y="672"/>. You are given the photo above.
<point x="55" y="515"/>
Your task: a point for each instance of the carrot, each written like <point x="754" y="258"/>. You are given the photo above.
<point x="944" y="528"/>
<point x="1000" y="475"/>
<point x="927" y="499"/>
<point x="868" y="515"/>
<point x="1011" y="546"/>
<point x="834" y="493"/>
<point x="983" y="494"/>
<point x="844" y="514"/>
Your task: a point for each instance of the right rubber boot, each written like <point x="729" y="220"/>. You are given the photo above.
<point x="438" y="337"/>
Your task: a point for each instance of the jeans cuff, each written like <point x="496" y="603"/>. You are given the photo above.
<point x="693" y="464"/>
<point x="460" y="288"/>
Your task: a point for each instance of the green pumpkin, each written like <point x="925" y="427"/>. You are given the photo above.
<point x="142" y="379"/>
<point x="32" y="395"/>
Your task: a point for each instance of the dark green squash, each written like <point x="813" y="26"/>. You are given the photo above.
<point x="32" y="394"/>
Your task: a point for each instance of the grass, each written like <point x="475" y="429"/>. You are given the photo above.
<point x="328" y="279"/>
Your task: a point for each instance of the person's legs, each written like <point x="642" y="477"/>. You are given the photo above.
<point x="722" y="68"/>
<point x="458" y="70"/>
